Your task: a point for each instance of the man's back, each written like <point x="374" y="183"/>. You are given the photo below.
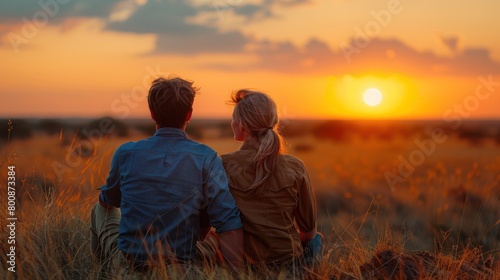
<point x="164" y="185"/>
<point x="161" y="183"/>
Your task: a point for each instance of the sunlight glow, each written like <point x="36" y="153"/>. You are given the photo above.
<point x="394" y="95"/>
<point x="372" y="97"/>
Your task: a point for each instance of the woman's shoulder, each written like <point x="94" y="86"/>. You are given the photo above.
<point x="290" y="167"/>
<point x="229" y="155"/>
<point x="292" y="161"/>
<point x="236" y="156"/>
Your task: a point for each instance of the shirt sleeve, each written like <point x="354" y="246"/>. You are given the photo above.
<point x="306" y="212"/>
<point x="110" y="192"/>
<point x="223" y="213"/>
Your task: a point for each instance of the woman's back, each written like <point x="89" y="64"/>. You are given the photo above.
<point x="271" y="212"/>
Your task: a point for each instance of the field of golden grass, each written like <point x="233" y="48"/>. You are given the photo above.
<point x="441" y="221"/>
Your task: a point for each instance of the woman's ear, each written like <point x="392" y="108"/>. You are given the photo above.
<point x="240" y="133"/>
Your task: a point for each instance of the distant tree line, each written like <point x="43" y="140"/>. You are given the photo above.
<point x="475" y="132"/>
<point x="105" y="126"/>
<point x="26" y="128"/>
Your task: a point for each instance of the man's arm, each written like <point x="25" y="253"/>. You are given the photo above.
<point x="110" y="193"/>
<point x="231" y="246"/>
<point x="223" y="213"/>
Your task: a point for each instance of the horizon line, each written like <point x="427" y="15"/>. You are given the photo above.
<point x="136" y="118"/>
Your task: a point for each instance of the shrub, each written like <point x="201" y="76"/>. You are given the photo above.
<point x="104" y="126"/>
<point x="50" y="126"/>
<point x="15" y="129"/>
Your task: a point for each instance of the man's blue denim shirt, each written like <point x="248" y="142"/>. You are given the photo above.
<point x="161" y="184"/>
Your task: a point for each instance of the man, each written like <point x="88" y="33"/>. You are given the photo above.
<point x="170" y="190"/>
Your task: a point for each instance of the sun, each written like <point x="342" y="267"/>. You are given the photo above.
<point x="372" y="97"/>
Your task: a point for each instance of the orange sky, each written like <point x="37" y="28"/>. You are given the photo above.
<point x="315" y="57"/>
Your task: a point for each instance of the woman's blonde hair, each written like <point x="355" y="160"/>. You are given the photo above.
<point x="256" y="112"/>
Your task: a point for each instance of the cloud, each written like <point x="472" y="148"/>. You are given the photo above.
<point x="380" y="56"/>
<point x="450" y="42"/>
<point x="160" y="17"/>
<point x="13" y="11"/>
<point x="208" y="42"/>
<point x="394" y="55"/>
<point x="250" y="12"/>
<point x="174" y="35"/>
<point x="168" y="20"/>
<point x="55" y="10"/>
<point x="316" y="56"/>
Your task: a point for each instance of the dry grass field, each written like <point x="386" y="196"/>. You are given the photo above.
<point x="440" y="220"/>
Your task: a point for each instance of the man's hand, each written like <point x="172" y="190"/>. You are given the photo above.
<point x="104" y="204"/>
<point x="231" y="246"/>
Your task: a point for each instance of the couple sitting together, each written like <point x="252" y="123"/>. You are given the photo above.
<point x="169" y="199"/>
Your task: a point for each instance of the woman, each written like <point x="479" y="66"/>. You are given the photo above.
<point x="272" y="190"/>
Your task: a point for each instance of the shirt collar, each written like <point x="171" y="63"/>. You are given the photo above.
<point x="170" y="131"/>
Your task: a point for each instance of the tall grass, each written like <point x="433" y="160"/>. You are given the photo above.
<point x="369" y="232"/>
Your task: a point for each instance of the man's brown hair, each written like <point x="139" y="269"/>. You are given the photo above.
<point x="170" y="101"/>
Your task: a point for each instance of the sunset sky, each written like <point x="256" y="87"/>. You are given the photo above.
<point x="316" y="58"/>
